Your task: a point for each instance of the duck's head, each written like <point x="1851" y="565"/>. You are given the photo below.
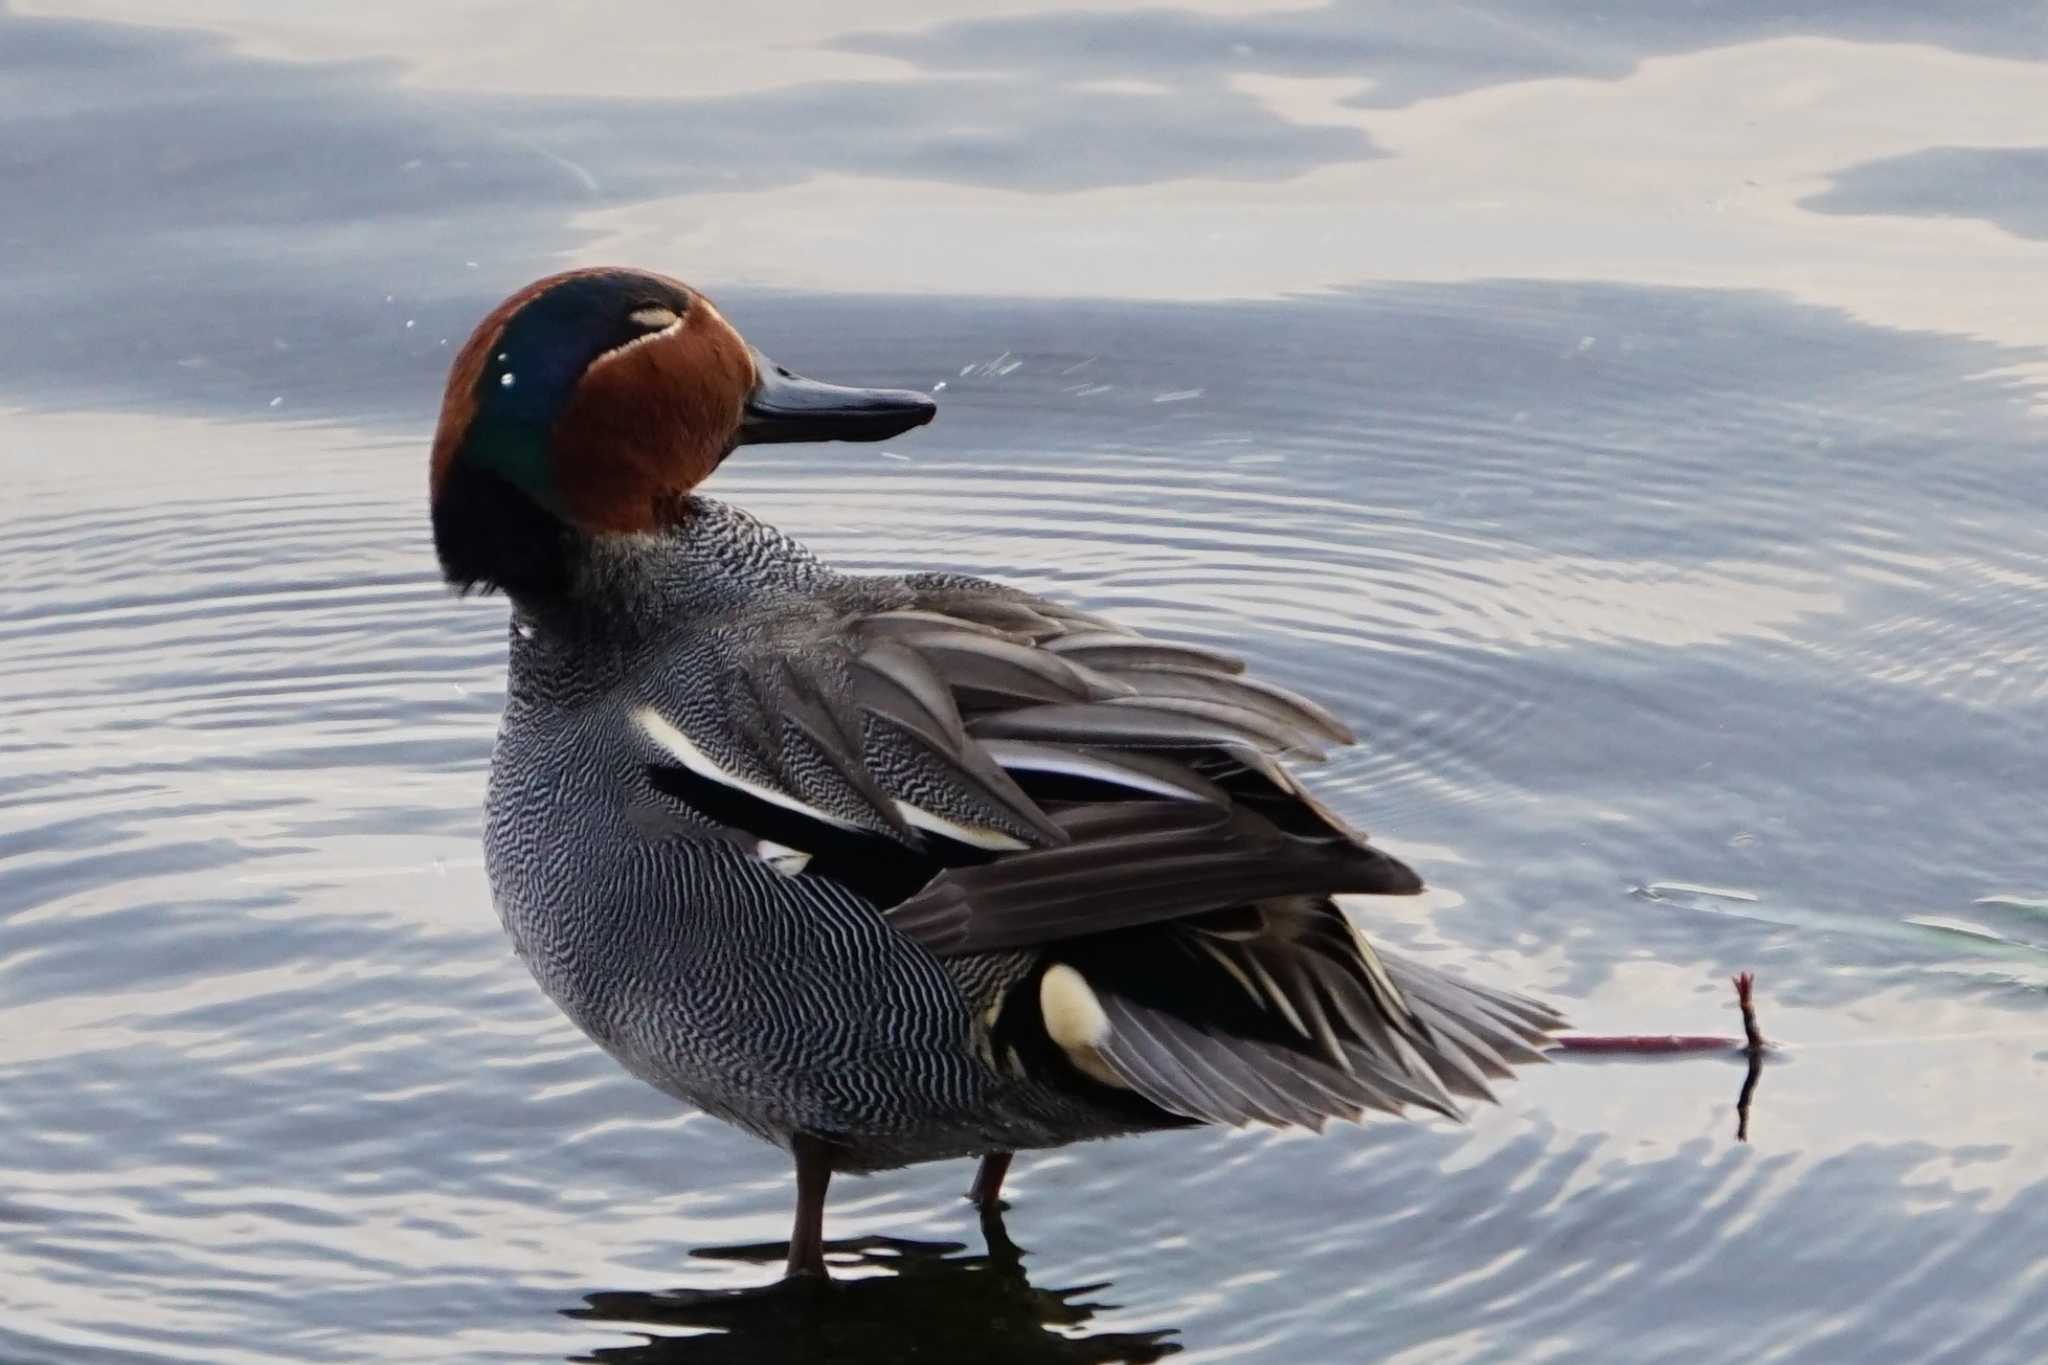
<point x="589" y="403"/>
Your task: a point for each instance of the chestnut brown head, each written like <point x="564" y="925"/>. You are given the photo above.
<point x="590" y="402"/>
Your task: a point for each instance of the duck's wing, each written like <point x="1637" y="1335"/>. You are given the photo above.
<point x="997" y="772"/>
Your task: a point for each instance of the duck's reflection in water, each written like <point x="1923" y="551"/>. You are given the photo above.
<point x="892" y="1300"/>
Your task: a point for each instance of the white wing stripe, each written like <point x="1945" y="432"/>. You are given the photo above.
<point x="975" y="836"/>
<point x="679" y="747"/>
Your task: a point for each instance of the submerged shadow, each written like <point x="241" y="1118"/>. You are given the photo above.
<point x="891" y="1300"/>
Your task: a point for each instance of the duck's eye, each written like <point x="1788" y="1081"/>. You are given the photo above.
<point x="653" y="318"/>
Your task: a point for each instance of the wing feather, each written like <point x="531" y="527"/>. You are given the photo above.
<point x="1277" y="704"/>
<point x="1134" y="722"/>
<point x="1105" y="649"/>
<point x="1002" y="774"/>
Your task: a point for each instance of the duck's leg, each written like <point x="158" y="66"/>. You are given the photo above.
<point x="987" y="1188"/>
<point x="813" y="1174"/>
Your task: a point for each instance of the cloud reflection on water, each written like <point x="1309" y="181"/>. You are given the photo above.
<point x="2007" y="186"/>
<point x="159" y="175"/>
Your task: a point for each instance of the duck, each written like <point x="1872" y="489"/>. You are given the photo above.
<point x="892" y="868"/>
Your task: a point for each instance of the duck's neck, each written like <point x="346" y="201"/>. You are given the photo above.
<point x="490" y="536"/>
<point x="707" y="558"/>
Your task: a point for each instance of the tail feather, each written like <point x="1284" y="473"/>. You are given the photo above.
<point x="1469" y="1035"/>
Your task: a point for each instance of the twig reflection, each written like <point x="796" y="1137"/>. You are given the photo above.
<point x="1749" y="1080"/>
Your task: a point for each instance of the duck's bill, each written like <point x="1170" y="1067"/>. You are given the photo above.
<point x="789" y="407"/>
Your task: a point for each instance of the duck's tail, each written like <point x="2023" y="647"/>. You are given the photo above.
<point x="1476" y="1033"/>
<point x="1292" y="1018"/>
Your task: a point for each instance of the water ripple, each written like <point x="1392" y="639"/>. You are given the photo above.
<point x="1630" y="614"/>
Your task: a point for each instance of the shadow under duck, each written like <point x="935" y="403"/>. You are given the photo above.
<point x="895" y="868"/>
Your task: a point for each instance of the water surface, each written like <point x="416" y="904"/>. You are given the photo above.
<point x="1633" y="427"/>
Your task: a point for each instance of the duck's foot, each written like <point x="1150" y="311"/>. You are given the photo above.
<point x="987" y="1190"/>
<point x="807" y="1236"/>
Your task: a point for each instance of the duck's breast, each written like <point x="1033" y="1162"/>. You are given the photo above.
<point x="777" y="1002"/>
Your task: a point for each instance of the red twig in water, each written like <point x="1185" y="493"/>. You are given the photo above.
<point x="1745" y="996"/>
<point x="1658" y="1044"/>
<point x="1645" y="1044"/>
<point x="1751" y="1045"/>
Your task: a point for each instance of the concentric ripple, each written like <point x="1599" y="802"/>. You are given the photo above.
<point x="1624" y="590"/>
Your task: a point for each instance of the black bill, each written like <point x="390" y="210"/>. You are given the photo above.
<point x="789" y="407"/>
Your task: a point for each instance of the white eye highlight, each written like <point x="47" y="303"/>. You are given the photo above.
<point x="655" y="318"/>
